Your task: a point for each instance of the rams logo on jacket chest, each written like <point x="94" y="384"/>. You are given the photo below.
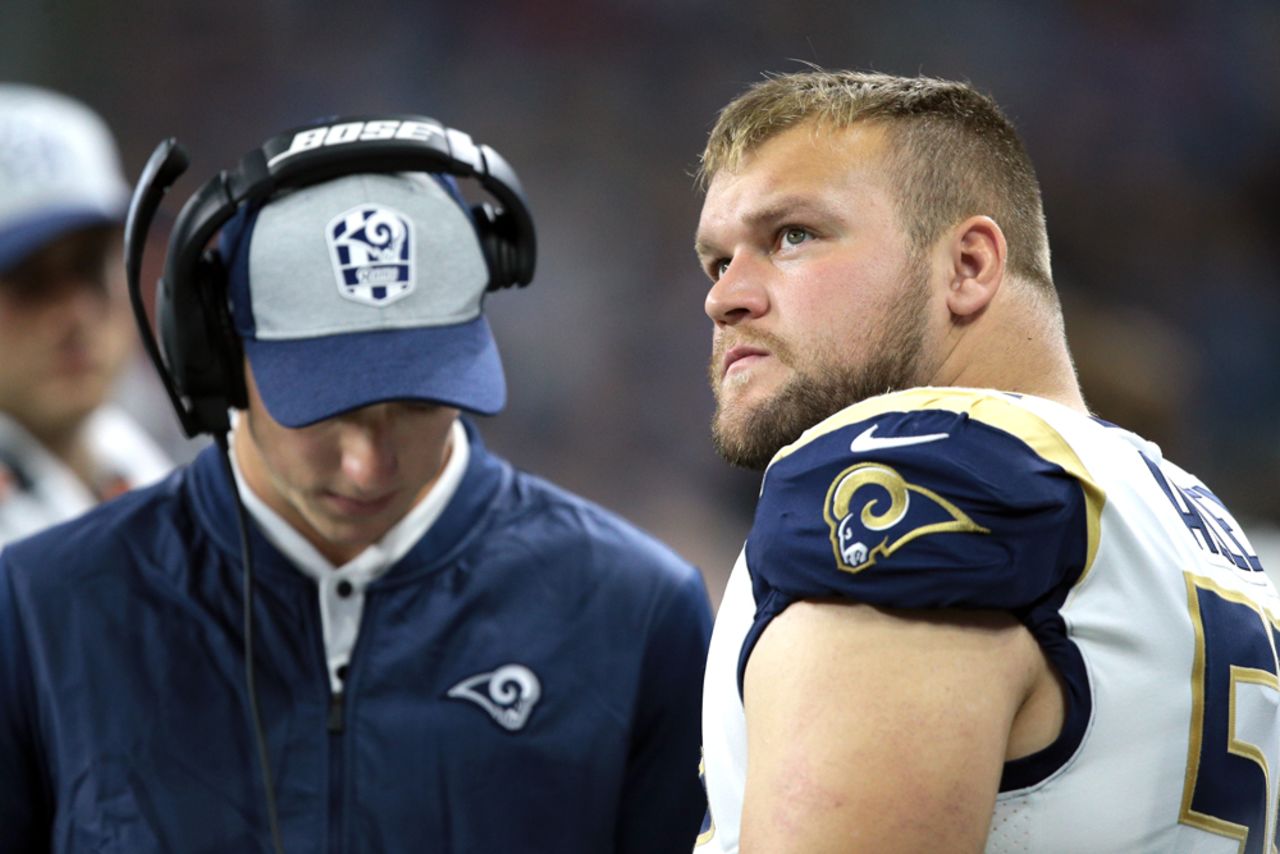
<point x="873" y="511"/>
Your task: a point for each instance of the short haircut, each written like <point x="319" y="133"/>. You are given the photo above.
<point x="953" y="153"/>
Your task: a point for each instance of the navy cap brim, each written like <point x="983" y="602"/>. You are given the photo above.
<point x="308" y="380"/>
<point x="20" y="241"/>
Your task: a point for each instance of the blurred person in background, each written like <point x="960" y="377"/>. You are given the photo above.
<point x="65" y="327"/>
<point x="968" y="612"/>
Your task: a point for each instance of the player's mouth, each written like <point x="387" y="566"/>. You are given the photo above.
<point x="741" y="358"/>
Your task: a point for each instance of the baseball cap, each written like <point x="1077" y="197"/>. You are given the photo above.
<point x="59" y="171"/>
<point x="363" y="289"/>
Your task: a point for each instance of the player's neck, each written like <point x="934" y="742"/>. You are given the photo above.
<point x="1018" y="348"/>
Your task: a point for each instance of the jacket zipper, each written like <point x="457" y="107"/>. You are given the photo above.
<point x="337" y="719"/>
<point x="336" y="724"/>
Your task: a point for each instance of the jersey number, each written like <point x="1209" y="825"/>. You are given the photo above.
<point x="1229" y="790"/>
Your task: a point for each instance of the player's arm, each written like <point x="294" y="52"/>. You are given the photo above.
<point x="884" y="731"/>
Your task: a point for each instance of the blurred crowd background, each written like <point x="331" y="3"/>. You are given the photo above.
<point x="1155" y="127"/>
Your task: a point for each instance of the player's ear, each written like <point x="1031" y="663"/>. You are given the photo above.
<point x="976" y="253"/>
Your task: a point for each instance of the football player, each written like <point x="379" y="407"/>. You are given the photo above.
<point x="969" y="615"/>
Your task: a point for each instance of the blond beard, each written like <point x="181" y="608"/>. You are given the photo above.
<point x="748" y="437"/>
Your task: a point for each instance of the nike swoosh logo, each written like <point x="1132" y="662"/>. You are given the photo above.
<point x="866" y="441"/>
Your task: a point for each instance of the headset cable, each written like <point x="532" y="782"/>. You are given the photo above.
<point x="264" y="763"/>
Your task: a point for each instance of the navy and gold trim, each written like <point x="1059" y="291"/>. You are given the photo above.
<point x="992" y="408"/>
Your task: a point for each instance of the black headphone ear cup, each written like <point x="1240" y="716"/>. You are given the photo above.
<point x="521" y="257"/>
<point x="226" y="351"/>
<point x="501" y="245"/>
<point x="200" y="342"/>
<point x="500" y="248"/>
<point x="494" y="246"/>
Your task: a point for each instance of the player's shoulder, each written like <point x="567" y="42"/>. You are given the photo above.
<point x="954" y="439"/>
<point x="949" y="490"/>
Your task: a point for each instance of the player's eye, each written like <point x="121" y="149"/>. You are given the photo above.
<point x="718" y="267"/>
<point x="794" y="235"/>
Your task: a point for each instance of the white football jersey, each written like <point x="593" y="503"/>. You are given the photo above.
<point x="1138" y="584"/>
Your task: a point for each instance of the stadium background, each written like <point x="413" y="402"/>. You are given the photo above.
<point x="1155" y="127"/>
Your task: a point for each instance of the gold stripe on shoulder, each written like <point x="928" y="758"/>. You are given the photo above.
<point x="988" y="407"/>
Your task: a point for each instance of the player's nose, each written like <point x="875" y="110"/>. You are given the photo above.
<point x="738" y="293"/>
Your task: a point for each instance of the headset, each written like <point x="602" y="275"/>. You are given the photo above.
<point x="201" y="365"/>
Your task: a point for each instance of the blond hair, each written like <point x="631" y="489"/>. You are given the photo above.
<point x="953" y="153"/>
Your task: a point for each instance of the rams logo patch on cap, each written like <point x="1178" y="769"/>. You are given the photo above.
<point x="872" y="513"/>
<point x="372" y="250"/>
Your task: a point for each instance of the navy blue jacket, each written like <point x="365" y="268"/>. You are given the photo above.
<point x="124" y="721"/>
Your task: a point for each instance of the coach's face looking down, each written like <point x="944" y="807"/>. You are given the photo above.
<point x="345" y="481"/>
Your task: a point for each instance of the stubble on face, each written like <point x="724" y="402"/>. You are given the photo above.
<point x="822" y="385"/>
